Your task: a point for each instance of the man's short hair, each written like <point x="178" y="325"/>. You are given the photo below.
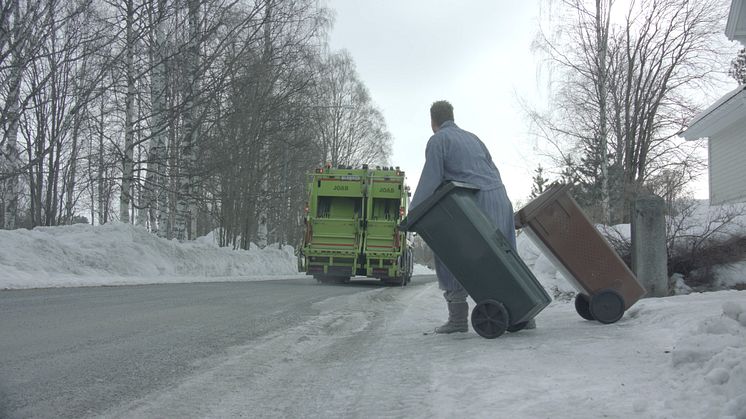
<point x="441" y="111"/>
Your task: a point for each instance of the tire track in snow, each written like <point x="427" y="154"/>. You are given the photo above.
<point x="306" y="371"/>
<point x="374" y="384"/>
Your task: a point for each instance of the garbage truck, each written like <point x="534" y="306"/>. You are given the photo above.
<point x="351" y="219"/>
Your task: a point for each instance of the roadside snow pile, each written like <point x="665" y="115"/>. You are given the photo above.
<point x="730" y="276"/>
<point x="558" y="287"/>
<point x="712" y="366"/>
<point x="418" y="269"/>
<point x="116" y="254"/>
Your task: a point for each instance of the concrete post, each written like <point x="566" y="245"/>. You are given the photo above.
<point x="649" y="260"/>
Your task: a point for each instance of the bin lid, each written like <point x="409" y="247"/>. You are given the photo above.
<point x="532" y="209"/>
<point x="444" y="189"/>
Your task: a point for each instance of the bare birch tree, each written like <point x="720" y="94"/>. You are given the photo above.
<point x="129" y="110"/>
<point x="350" y="130"/>
<point x="157" y="196"/>
<point x="624" y="91"/>
<point x="180" y="116"/>
<point x="14" y="39"/>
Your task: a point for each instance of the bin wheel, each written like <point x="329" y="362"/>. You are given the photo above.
<point x="583" y="306"/>
<point x="517" y="327"/>
<point x="607" y="306"/>
<point x="489" y="319"/>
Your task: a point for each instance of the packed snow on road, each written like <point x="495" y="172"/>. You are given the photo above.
<point x="365" y="355"/>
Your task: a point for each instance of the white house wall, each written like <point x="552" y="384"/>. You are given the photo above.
<point x="735" y="28"/>
<point x="727" y="153"/>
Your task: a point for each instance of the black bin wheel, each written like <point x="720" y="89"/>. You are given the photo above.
<point x="489" y="319"/>
<point x="607" y="306"/>
<point x="583" y="306"/>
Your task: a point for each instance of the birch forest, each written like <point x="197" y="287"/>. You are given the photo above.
<point x="181" y="116"/>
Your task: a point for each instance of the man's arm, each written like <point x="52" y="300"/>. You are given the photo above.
<point x="432" y="173"/>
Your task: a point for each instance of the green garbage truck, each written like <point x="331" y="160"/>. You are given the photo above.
<point x="351" y="225"/>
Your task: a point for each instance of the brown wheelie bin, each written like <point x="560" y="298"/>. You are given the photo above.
<point x="557" y="225"/>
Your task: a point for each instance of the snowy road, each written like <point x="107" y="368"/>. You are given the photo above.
<point x="364" y="356"/>
<point x="311" y="351"/>
<point x="73" y="352"/>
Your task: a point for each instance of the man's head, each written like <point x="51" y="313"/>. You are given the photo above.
<point x="440" y="111"/>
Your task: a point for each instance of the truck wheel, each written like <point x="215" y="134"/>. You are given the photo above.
<point x="607" y="306"/>
<point x="410" y="263"/>
<point x="406" y="265"/>
<point x="583" y="306"/>
<point x="489" y="319"/>
<point x="301" y="260"/>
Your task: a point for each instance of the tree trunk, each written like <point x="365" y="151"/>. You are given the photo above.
<point x="265" y="86"/>
<point x="185" y="202"/>
<point x="10" y="198"/>
<point x="129" y="103"/>
<point x="602" y="42"/>
<point x="103" y="203"/>
<point x="77" y="120"/>
<point x="157" y="155"/>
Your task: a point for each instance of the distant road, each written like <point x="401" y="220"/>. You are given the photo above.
<point x="74" y="352"/>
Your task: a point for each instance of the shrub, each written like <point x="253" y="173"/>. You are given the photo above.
<point x="699" y="239"/>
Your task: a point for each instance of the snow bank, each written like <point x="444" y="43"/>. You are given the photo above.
<point x="711" y="362"/>
<point x="418" y="269"/>
<point x="542" y="267"/>
<point x="116" y="254"/>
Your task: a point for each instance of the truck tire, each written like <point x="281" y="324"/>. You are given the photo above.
<point x="406" y="265"/>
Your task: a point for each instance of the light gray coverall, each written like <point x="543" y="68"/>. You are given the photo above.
<point x="455" y="154"/>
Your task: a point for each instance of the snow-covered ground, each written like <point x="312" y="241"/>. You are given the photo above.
<point x="365" y="355"/>
<point x="122" y="254"/>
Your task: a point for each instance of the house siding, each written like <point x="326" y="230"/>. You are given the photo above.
<point x="735" y="28"/>
<point x="727" y="152"/>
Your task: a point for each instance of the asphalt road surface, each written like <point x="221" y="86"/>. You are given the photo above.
<point x="75" y="352"/>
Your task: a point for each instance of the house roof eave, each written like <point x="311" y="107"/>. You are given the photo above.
<point x="718" y="115"/>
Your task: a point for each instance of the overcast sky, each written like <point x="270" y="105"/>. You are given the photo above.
<point x="474" y="53"/>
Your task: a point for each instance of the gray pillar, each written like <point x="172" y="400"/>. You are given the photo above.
<point x="649" y="260"/>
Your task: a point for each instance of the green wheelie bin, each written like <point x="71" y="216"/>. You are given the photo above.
<point x="469" y="244"/>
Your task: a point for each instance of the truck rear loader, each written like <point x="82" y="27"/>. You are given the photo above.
<point x="351" y="225"/>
